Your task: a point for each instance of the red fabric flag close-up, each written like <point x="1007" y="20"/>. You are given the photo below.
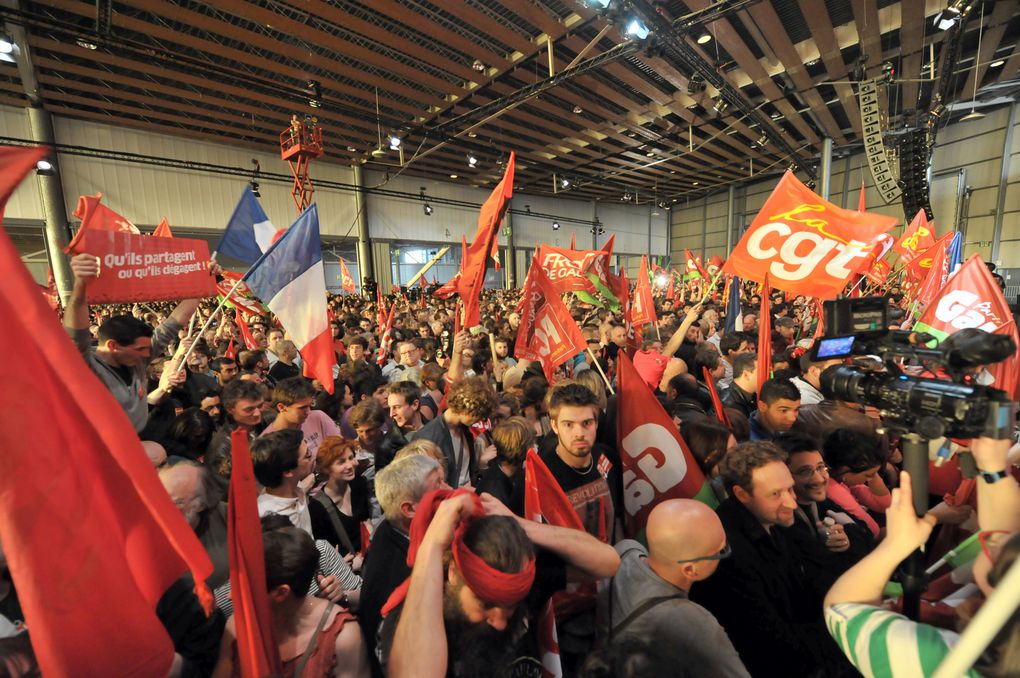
<point x="805" y="243"/>
<point x="917" y="237"/>
<point x="570" y="270"/>
<point x="257" y="651"/>
<point x="764" y="334"/>
<point x="547" y="332"/>
<point x="73" y="473"/>
<point x="643" y="305"/>
<point x="163" y="230"/>
<point x="94" y="215"/>
<point x="652" y="452"/>
<point x="484" y="246"/>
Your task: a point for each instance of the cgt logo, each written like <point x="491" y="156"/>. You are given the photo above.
<point x="659" y="458"/>
<point x="800" y="253"/>
<point x="961" y="309"/>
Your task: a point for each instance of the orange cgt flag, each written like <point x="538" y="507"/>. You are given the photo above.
<point x="917" y="237"/>
<point x="805" y="243"/>
<point x="73" y="474"/>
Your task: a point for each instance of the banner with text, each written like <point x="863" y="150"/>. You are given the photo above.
<point x="145" y="268"/>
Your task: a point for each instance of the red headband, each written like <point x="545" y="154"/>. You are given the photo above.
<point x="491" y="585"/>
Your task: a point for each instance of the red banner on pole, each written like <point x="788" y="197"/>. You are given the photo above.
<point x="568" y="270"/>
<point x="547" y="332"/>
<point x="144" y="268"/>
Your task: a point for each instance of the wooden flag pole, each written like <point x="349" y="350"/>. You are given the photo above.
<point x="601" y="371"/>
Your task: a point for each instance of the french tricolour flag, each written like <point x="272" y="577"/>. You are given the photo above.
<point x="290" y="280"/>
<point x="249" y="232"/>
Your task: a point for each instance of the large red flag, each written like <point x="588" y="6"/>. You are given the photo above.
<point x="765" y="334"/>
<point x="246" y="335"/>
<point x="163" y="230"/>
<point x="571" y="270"/>
<point x="547" y="332"/>
<point x="257" y="651"/>
<point x="484" y="245"/>
<point x="657" y="464"/>
<point x="643" y="303"/>
<point x="386" y="338"/>
<point x="805" y="243"/>
<point x="95" y="215"/>
<point x="921" y="263"/>
<point x="620" y="287"/>
<point x="720" y="411"/>
<point x="937" y="273"/>
<point x="694" y="268"/>
<point x="346" y="279"/>
<point x="73" y="476"/>
<point x="449" y="288"/>
<point x="972" y="298"/>
<point x="917" y="237"/>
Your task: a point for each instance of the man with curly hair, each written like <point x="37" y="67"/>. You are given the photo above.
<point x="467" y="402"/>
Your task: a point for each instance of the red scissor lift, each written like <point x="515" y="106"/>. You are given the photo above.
<point x="299" y="145"/>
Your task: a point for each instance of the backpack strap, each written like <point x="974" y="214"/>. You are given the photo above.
<point x="640" y="610"/>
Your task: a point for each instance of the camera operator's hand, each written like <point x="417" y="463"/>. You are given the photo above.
<point x="905" y="532"/>
<point x="990" y="454"/>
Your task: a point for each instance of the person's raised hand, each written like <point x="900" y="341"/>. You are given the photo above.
<point x="447" y="517"/>
<point x="904" y="530"/>
<point x="494" y="507"/>
<point x="85" y="266"/>
<point x="329" y="588"/>
<point x="990" y="454"/>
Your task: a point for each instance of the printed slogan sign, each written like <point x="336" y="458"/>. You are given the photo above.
<point x="143" y="268"/>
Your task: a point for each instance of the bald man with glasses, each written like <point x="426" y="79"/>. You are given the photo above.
<point x="648" y="596"/>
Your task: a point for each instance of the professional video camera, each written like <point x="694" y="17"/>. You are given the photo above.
<point x="930" y="407"/>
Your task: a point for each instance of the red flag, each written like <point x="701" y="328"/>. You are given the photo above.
<point x="657" y="464"/>
<point x="381" y="311"/>
<point x="49" y="292"/>
<point x="549" y="643"/>
<point x="917" y="237"/>
<point x="807" y="245"/>
<point x="163" y="230"/>
<point x="820" y="328"/>
<point x="544" y="501"/>
<point x="94" y="215"/>
<point x="449" y="288"/>
<point x="74" y="475"/>
<point x="387" y="339"/>
<point x="720" y="411"/>
<point x="671" y="290"/>
<point x="644" y="304"/>
<point x="246" y="335"/>
<point x="692" y="268"/>
<point x="972" y="298"/>
<point x="547" y="332"/>
<point x="484" y="245"/>
<point x="937" y="273"/>
<point x="571" y="270"/>
<point x="764" y="334"/>
<point x="242" y="296"/>
<point x="861" y="199"/>
<point x="257" y="651"/>
<point x="921" y="263"/>
<point x="620" y="287"/>
<point x="231" y="351"/>
<point x="573" y="245"/>
<point x="346" y="279"/>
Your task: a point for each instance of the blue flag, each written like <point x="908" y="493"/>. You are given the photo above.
<point x="249" y="232"/>
<point x="734" y="316"/>
<point x="955" y="252"/>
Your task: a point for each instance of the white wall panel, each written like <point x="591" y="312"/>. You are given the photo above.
<point x="25" y="202"/>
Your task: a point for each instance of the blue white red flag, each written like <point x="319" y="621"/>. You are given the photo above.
<point x="734" y="316"/>
<point x="291" y="281"/>
<point x="249" y="232"/>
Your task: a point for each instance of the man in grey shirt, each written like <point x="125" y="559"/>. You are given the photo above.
<point x="648" y="596"/>
<point x="126" y="345"/>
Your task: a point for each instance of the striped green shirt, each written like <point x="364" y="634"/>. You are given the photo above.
<point x="884" y="644"/>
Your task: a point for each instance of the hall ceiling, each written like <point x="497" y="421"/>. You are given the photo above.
<point x="235" y="72"/>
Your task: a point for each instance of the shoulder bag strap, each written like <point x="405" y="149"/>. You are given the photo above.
<point x="334" y="517"/>
<point x="640" y="610"/>
<point x="299" y="669"/>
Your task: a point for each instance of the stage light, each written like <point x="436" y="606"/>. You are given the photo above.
<point x="996" y="63"/>
<point x="696" y="84"/>
<point x="472" y="161"/>
<point x="704" y="39"/>
<point x="394" y="142"/>
<point x="45" y="168"/>
<point x="556" y="225"/>
<point x="427" y="208"/>
<point x="636" y="29"/>
<point x="578" y="110"/>
<point x="314" y="93"/>
<point x="9" y="50"/>
<point x="478" y="65"/>
<point x="719" y="105"/>
<point x="255" y="188"/>
<point x="564" y="183"/>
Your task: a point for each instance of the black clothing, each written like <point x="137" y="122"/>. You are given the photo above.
<point x="764" y="596"/>
<point x="509" y="490"/>
<point x="806" y="540"/>
<point x="10" y="606"/>
<point x="385" y="568"/>
<point x="195" y="637"/>
<point x="739" y="399"/>
<point x="596" y="493"/>
<point x="322" y="526"/>
<point x="686" y="353"/>
<point x="389" y="446"/>
<point x="438" y="432"/>
<point x="280" y="371"/>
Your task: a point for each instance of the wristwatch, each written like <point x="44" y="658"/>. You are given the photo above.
<point x="993" y="476"/>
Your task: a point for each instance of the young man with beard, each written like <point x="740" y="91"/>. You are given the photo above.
<point x="478" y="584"/>
<point x="404" y="401"/>
<point x="765" y="594"/>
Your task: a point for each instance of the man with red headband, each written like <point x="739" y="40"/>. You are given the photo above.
<point x="475" y="580"/>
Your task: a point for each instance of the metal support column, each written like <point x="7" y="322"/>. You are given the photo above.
<point x="731" y="196"/>
<point x="1000" y="204"/>
<point x="51" y="192"/>
<point x="651" y="206"/>
<point x="365" y="268"/>
<point x="825" y="168"/>
<point x="511" y="252"/>
<point x="594" y="221"/>
<point x="704" y="225"/>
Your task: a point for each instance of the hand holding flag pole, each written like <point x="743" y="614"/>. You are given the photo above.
<point x="601" y="371"/>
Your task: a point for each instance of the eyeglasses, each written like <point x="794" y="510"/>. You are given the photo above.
<point x="809" y="471"/>
<point x="991" y="539"/>
<point x="725" y="553"/>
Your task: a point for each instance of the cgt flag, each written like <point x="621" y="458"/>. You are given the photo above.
<point x="805" y="243"/>
<point x="547" y="332"/>
<point x="972" y="298"/>
<point x="917" y="237"/>
<point x="573" y="270"/>
<point x="346" y="279"/>
<point x="657" y="464"/>
<point x="643" y="304"/>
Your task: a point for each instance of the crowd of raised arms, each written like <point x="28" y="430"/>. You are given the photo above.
<point x="396" y="539"/>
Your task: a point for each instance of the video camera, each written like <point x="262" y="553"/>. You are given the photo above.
<point x="931" y="408"/>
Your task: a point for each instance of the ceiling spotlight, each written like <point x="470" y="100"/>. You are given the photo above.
<point x="626" y="197"/>
<point x="314" y="88"/>
<point x="719" y="105"/>
<point x="453" y="176"/>
<point x="564" y="183"/>
<point x="85" y="44"/>
<point x="472" y="160"/>
<point x="578" y="110"/>
<point x="427" y="208"/>
<point x="45" y="168"/>
<point x="394" y="142"/>
<point x="556" y="225"/>
<point x="973" y="115"/>
<point x="9" y="51"/>
<point x="763" y="139"/>
<point x="696" y="84"/>
<point x="478" y="65"/>
<point x="947" y="18"/>
<point x="704" y="39"/>
<point x="996" y="63"/>
<point x="637" y="30"/>
<point x="255" y="188"/>
<point x="472" y="134"/>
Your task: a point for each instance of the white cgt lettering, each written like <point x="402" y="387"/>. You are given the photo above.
<point x="547" y="334"/>
<point x="794" y="266"/>
<point x="954" y="308"/>
<point x="663" y="471"/>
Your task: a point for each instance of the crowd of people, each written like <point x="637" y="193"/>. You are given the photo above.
<point x="393" y="508"/>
